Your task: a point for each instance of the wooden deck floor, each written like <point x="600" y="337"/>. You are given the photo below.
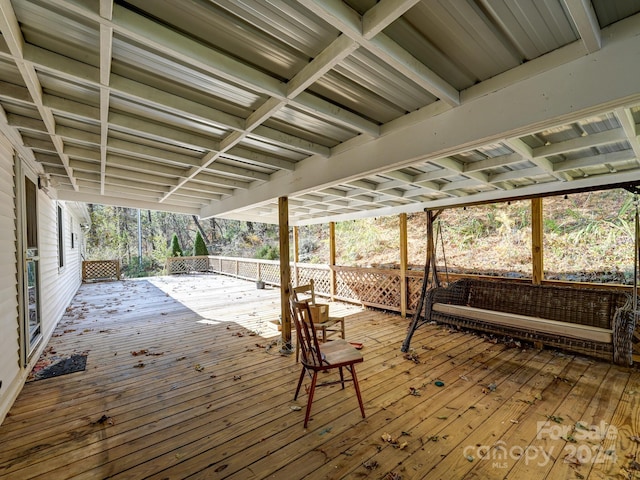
<point x="208" y="396"/>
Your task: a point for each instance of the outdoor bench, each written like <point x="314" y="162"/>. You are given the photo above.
<point x="589" y="321"/>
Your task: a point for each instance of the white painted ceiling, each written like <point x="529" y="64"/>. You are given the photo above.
<point x="349" y="108"/>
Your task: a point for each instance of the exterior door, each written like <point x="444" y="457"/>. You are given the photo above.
<point x="31" y="322"/>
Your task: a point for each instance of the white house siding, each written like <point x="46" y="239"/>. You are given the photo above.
<point x="10" y="372"/>
<point x="57" y="285"/>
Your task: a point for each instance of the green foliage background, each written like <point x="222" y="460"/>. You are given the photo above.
<point x="587" y="237"/>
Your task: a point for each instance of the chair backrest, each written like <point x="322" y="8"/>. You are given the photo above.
<point x="304" y="293"/>
<point x="307" y="338"/>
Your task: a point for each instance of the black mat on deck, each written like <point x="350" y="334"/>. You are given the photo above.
<point x="75" y="363"/>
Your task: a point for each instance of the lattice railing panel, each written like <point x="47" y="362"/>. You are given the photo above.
<point x="270" y="273"/>
<point x="228" y="266"/>
<point x="374" y="287"/>
<point x="319" y="275"/>
<point x="100" y="270"/>
<point x="248" y="270"/>
<point x="215" y="264"/>
<point x="187" y="264"/>
<point x="414" y="289"/>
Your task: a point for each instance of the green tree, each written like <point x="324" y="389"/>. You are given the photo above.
<point x="199" y="247"/>
<point x="176" y="250"/>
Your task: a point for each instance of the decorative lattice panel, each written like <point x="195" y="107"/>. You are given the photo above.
<point x="187" y="264"/>
<point x="414" y="289"/>
<point x="320" y="276"/>
<point x="370" y="287"/>
<point x="228" y="266"/>
<point x="100" y="270"/>
<point x="270" y="273"/>
<point x="248" y="270"/>
<point x="215" y="264"/>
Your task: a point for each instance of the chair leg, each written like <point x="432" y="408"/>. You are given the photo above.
<point x="312" y="390"/>
<point x="342" y="378"/>
<point x="299" y="383"/>
<point x="357" y="387"/>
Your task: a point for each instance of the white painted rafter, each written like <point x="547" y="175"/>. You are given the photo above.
<point x="338" y="13"/>
<point x="13" y="37"/>
<point x="586" y="22"/>
<point x="625" y="117"/>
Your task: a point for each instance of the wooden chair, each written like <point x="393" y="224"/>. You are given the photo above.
<point x="321" y="357"/>
<point x="327" y="325"/>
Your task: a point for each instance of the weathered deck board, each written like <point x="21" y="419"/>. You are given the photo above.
<point x="214" y="400"/>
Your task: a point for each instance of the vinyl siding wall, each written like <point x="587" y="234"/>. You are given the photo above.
<point x="10" y="372"/>
<point x="57" y="285"/>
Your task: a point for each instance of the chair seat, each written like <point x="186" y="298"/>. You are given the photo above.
<point x="340" y="352"/>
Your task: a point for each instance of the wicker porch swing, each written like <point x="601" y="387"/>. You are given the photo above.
<point x="627" y="319"/>
<point x="596" y="322"/>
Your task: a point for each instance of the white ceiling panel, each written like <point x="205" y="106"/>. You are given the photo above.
<point x="351" y="108"/>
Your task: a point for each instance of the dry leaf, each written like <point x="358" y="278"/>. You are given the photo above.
<point x="388" y="438"/>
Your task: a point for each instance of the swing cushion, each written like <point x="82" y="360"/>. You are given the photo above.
<point x="575" y="319"/>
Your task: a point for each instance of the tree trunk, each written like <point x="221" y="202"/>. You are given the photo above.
<point x="197" y="222"/>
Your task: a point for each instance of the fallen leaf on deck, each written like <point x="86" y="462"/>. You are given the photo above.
<point x="370" y="464"/>
<point x="139" y="365"/>
<point x="104" y="419"/>
<point x="412" y="356"/>
<point x="414" y="391"/>
<point x="387" y="437"/>
<point x="180" y="358"/>
<point x="633" y="465"/>
<point x="634" y="438"/>
<point x="140" y="352"/>
<point x="237" y="377"/>
<point x="198" y="367"/>
<point x="295" y="408"/>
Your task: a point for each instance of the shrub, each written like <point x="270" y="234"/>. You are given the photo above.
<point x="199" y="247"/>
<point x="268" y="252"/>
<point x="176" y="250"/>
